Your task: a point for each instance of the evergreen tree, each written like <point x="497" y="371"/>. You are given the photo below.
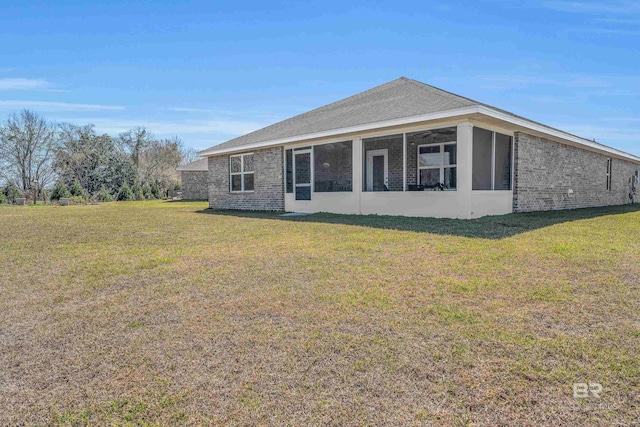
<point x="77" y="190"/>
<point x="60" y="191"/>
<point x="125" y="194"/>
<point x="11" y="192"/>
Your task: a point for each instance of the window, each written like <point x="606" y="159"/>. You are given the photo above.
<point x="492" y="153"/>
<point x="609" y="172"/>
<point x="289" y="170"/>
<point x="333" y="167"/>
<point x="437" y="157"/>
<point x="241" y="172"/>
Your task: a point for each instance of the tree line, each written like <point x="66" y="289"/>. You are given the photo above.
<point x="54" y="160"/>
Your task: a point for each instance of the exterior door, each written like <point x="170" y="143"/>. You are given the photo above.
<point x="378" y="170"/>
<point x="302" y="174"/>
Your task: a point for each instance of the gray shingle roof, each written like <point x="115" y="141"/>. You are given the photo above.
<point x="198" y="165"/>
<point x="399" y="98"/>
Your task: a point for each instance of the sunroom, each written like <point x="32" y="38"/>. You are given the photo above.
<point x="462" y="170"/>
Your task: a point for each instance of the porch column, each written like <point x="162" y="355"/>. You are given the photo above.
<point x="404" y="161"/>
<point x="357" y="170"/>
<point x="465" y="169"/>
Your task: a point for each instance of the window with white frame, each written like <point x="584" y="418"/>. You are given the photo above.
<point x="437" y="157"/>
<point x="241" y="172"/>
<point x="437" y="166"/>
<point x="492" y="153"/>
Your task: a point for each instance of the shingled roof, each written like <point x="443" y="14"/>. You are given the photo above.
<point x="399" y="98"/>
<point x="197" y="166"/>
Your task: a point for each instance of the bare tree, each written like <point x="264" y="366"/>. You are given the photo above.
<point x="136" y="141"/>
<point x="159" y="160"/>
<point x="189" y="155"/>
<point x="27" y="143"/>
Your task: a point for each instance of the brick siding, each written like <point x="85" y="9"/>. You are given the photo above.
<point x="546" y="170"/>
<point x="268" y="191"/>
<point x="394" y="145"/>
<point x="194" y="185"/>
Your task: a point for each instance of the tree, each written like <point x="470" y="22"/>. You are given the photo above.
<point x="27" y="143"/>
<point x="11" y="192"/>
<point x="188" y="155"/>
<point x="60" y="191"/>
<point x="146" y="190"/>
<point x="103" y="196"/>
<point x="77" y="190"/>
<point x="137" y="192"/>
<point x="95" y="161"/>
<point x="125" y="194"/>
<point x="136" y="141"/>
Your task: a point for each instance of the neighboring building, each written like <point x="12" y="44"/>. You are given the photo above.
<point x="194" y="180"/>
<point x="386" y="150"/>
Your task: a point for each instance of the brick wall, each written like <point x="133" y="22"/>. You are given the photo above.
<point x="394" y="147"/>
<point x="268" y="191"/>
<point x="194" y="185"/>
<point x="546" y="170"/>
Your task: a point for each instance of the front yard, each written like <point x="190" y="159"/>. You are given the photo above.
<point x="158" y="313"/>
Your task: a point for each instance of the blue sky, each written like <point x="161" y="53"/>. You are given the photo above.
<point x="211" y="70"/>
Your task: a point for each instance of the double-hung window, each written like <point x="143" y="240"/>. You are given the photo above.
<point x="437" y="157"/>
<point x="241" y="172"/>
<point x="437" y="165"/>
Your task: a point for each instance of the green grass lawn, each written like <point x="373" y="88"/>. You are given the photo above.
<point x="160" y="313"/>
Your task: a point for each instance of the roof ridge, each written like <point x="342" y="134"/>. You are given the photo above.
<point x="451" y="95"/>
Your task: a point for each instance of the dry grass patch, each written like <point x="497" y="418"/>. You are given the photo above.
<point x="154" y="313"/>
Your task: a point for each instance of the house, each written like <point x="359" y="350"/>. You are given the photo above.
<point x="194" y="180"/>
<point x="407" y="148"/>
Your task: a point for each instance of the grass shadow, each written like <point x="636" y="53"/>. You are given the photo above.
<point x="490" y="227"/>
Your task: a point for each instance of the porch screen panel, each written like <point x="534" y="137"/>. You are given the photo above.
<point x="289" y="168"/>
<point x="482" y="153"/>
<point x="333" y="167"/>
<point x="502" y="176"/>
<point x="393" y="144"/>
<point x="435" y="165"/>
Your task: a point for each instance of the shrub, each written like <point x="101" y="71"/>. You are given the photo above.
<point x="137" y="192"/>
<point x="60" y="191"/>
<point x="11" y="192"/>
<point x="177" y="187"/>
<point x="146" y="191"/>
<point x="3" y="198"/>
<point x="155" y="190"/>
<point x="103" y="195"/>
<point x="78" y="200"/>
<point x="125" y="194"/>
<point x="76" y="190"/>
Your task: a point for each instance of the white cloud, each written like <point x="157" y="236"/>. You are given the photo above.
<point x="212" y="128"/>
<point x="57" y="106"/>
<point x="23" y="84"/>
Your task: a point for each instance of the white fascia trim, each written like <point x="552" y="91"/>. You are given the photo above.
<point x="352" y="129"/>
<point x="475" y="109"/>
<point x="553" y="132"/>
